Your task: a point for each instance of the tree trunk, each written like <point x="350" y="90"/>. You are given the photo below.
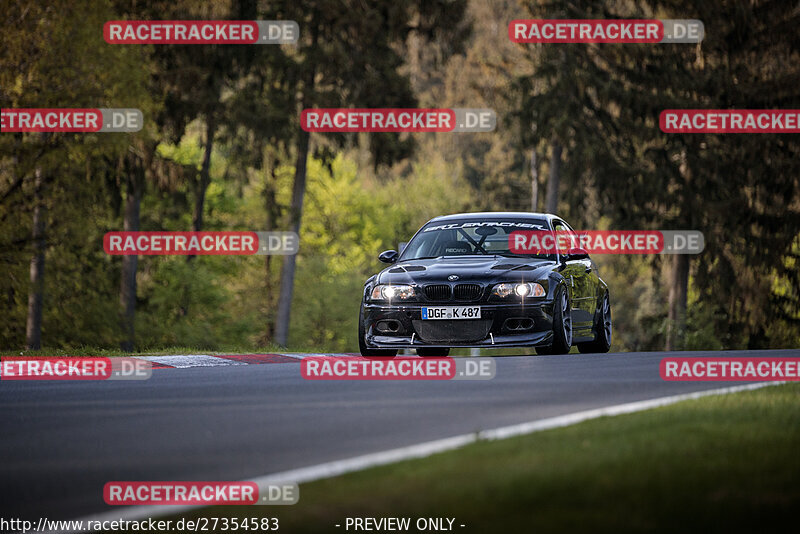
<point x="290" y="260"/>
<point x="134" y="177"/>
<point x="33" y="328"/>
<point x="679" y="275"/>
<point x="298" y="192"/>
<point x="553" y="181"/>
<point x="271" y="208"/>
<point x="534" y="182"/>
<point x="678" y="290"/>
<point x="201" y="184"/>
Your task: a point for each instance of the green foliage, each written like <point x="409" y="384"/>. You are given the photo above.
<point x="193" y="304"/>
<point x="54" y="56"/>
<point x="349" y="219"/>
<point x="603" y="102"/>
<point x="367" y="193"/>
<point x="637" y="303"/>
<point x="218" y="302"/>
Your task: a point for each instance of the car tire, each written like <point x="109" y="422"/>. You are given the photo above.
<point x="562" y="325"/>
<point x="602" y="339"/>
<point x="362" y="343"/>
<point x="433" y="352"/>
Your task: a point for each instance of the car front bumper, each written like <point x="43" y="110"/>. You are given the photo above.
<point x="499" y="326"/>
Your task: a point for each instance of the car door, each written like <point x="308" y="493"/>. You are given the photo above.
<point x="583" y="282"/>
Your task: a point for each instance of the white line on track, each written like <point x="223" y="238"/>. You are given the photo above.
<point x="190" y="360"/>
<point x="184" y="361"/>
<point x="422" y="450"/>
<point x="303" y="355"/>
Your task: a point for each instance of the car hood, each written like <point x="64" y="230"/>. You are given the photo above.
<point x="467" y="269"/>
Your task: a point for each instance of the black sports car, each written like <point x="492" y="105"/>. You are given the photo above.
<point x="458" y="284"/>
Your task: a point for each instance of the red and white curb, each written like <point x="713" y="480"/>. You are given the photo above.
<point x="183" y="361"/>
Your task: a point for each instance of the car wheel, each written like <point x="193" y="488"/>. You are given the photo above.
<point x="362" y="343"/>
<point x="602" y="340"/>
<point x="425" y="353"/>
<point x="562" y="325"/>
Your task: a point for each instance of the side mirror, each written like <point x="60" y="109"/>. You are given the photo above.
<point x="577" y="254"/>
<point x="388" y="256"/>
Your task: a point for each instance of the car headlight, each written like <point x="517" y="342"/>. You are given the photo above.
<point x="392" y="292"/>
<point x="526" y="289"/>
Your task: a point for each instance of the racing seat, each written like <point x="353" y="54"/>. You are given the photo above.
<point x="454" y="248"/>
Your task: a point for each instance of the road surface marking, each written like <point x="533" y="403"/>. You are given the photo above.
<point x="423" y="450"/>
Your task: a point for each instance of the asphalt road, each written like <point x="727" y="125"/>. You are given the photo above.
<point x="60" y="442"/>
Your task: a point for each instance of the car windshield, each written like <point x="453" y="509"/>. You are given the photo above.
<point x="469" y="237"/>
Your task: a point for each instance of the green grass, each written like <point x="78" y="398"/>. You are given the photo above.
<point x="726" y="463"/>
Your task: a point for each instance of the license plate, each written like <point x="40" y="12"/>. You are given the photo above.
<point x="452" y="312"/>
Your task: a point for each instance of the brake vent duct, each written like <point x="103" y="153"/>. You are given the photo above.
<point x="388" y="326"/>
<point x="407" y="269"/>
<point x="518" y="324"/>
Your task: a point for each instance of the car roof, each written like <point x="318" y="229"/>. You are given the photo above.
<point x="485" y="214"/>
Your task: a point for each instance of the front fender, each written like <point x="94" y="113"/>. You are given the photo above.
<point x="554" y="281"/>
<point x="368" y="287"/>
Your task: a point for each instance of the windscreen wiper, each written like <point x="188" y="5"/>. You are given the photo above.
<point x="477" y="245"/>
